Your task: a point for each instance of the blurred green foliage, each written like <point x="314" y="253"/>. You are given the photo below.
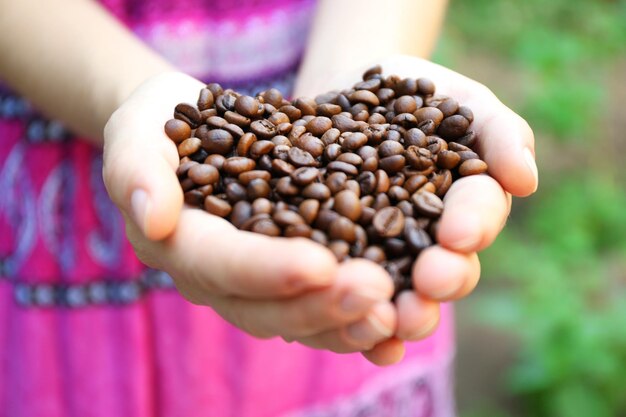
<point x="557" y="274"/>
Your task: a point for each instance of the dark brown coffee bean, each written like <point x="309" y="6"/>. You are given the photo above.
<point x="397" y="193"/>
<point x="187" y="184"/>
<point x="286" y="188"/>
<point x="397" y="179"/>
<point x="428" y="113"/>
<point x="448" y="159"/>
<point x="184" y="167"/>
<point x="193" y="198"/>
<point x="177" y="130"/>
<point x="298" y="230"/>
<point x="279" y="118"/>
<point x="395" y="247"/>
<point x="340" y="249"/>
<point x="189" y="146"/>
<point x="241" y="212"/>
<point x="326" y="98"/>
<point x="263" y="129"/>
<point x="238" y="164"/>
<point x="205" y="114"/>
<point x="258" y="188"/>
<point x="419" y="158"/>
<point x="370" y="72"/>
<point x="324" y="219"/>
<point x="188" y="114"/>
<point x="282" y="168"/>
<point x="367" y="182"/>
<point x="381" y="201"/>
<point x="237" y="119"/>
<point x="373" y="85"/>
<point x="466" y="112"/>
<point x="235" y="192"/>
<point x="301" y="158"/>
<point x="382" y="181"/>
<point x="216" y="160"/>
<point x="234" y="130"/>
<point x="389" y="222"/>
<point x="245" y="143"/>
<point x="308" y="210"/>
<point x="247" y="106"/>
<point x="448" y="107"/>
<point x="365" y="97"/>
<point x="285" y="218"/>
<point x="344" y="123"/>
<point x="342" y="229"/>
<point x="305" y="105"/>
<point x="336" y="182"/>
<point x="453" y="127"/>
<point x="457" y="147"/>
<point x="406" y="86"/>
<point x="406" y="120"/>
<point x="217" y="206"/>
<point x="281" y="140"/>
<point x="344" y="167"/>
<point x="375" y="254"/>
<point x="392" y="164"/>
<point x="203" y="174"/>
<point x="465" y="155"/>
<point x="425" y="87"/>
<point x="385" y="95"/>
<point x="319" y="125"/>
<point x="281" y="152"/>
<point x="362" y="116"/>
<point x="310" y="144"/>
<point x="262" y="205"/>
<point x="354" y="141"/>
<point x="405" y="104"/>
<point x="427" y="203"/>
<point x="266" y="227"/>
<point x="292" y="112"/>
<point x="376" y="118"/>
<point x="216" y="122"/>
<point x="317" y="191"/>
<point x="468" y="139"/>
<point x="247" y="225"/>
<point x="367" y="215"/>
<point x="443" y="182"/>
<point x="332" y="152"/>
<point x="304" y="176"/>
<point x="215" y="88"/>
<point x="260" y="148"/>
<point x="330" y="136"/>
<point x="347" y="204"/>
<point x="472" y="167"/>
<point x="428" y="187"/>
<point x="273" y="97"/>
<point x="407" y="209"/>
<point x="205" y="99"/>
<point x="370" y="164"/>
<point x="390" y="148"/>
<point x="350" y="158"/>
<point x="415" y="182"/>
<point x="218" y="141"/>
<point x="353" y="186"/>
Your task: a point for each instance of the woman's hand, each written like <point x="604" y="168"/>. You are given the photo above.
<point x="293" y="288"/>
<point x="476" y="207"/>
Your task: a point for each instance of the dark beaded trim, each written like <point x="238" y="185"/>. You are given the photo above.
<point x="102" y="292"/>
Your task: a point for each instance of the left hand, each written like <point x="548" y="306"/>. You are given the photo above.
<point x="476" y="207"/>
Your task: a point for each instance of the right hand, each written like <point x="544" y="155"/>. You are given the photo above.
<point x="292" y="288"/>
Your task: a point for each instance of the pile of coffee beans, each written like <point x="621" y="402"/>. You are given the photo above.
<point x="362" y="171"/>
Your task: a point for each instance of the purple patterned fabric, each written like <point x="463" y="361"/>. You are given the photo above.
<point x="86" y="330"/>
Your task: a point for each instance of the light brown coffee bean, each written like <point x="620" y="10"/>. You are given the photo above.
<point x="238" y="164"/>
<point x="177" y="130"/>
<point x="389" y="222"/>
<point x="427" y="203"/>
<point x="347" y="204"/>
<point x="203" y="174"/>
<point x="472" y="167"/>
<point x="217" y="206"/>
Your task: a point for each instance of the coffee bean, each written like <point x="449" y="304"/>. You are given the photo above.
<point x="330" y="136"/>
<point x="205" y="99"/>
<point x="428" y="113"/>
<point x="392" y="164"/>
<point x="472" y="167"/>
<point x="237" y="119"/>
<point x="448" y="107"/>
<point x="367" y="182"/>
<point x="310" y="144"/>
<point x="466" y="112"/>
<point x="258" y="188"/>
<point x="217" y="206"/>
<point x="448" y="159"/>
<point x="305" y="105"/>
<point x="465" y="155"/>
<point x="247" y="106"/>
<point x="347" y="204"/>
<point x="425" y="86"/>
<point x="238" y="164"/>
<point x="282" y="168"/>
<point x="406" y="86"/>
<point x="308" y="210"/>
<point x="390" y="148"/>
<point x="273" y="97"/>
<point x="236" y="192"/>
<point x="203" y="174"/>
<point x="216" y="122"/>
<point x="218" y="141"/>
<point x="215" y="88"/>
<point x="188" y="114"/>
<point x="389" y="222"/>
<point x="397" y="193"/>
<point x="373" y="85"/>
<point x="468" y="139"/>
<point x="342" y="229"/>
<point x="332" y="152"/>
<point x="261" y="205"/>
<point x="340" y="249"/>
<point x="285" y="218"/>
<point x="317" y="191"/>
<point x="414" y="182"/>
<point x="189" y="146"/>
<point x="245" y="143"/>
<point x="177" y="130"/>
<point x="406" y="120"/>
<point x="304" y="176"/>
<point x="260" y="148"/>
<point x="266" y="227"/>
<point x="286" y="188"/>
<point x="301" y="158"/>
<point x="427" y="203"/>
<point x="344" y="123"/>
<point x="319" y="125"/>
<point x="344" y="167"/>
<point x="405" y="104"/>
<point x="370" y="72"/>
<point x="453" y="127"/>
<point x="263" y="129"/>
<point x="365" y="97"/>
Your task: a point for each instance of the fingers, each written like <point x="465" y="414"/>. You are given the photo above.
<point x="475" y="211"/>
<point x="358" y="287"/>
<point x="418" y="317"/>
<point x="386" y="353"/>
<point x="140" y="161"/>
<point x="441" y="274"/>
<point x="378" y="326"/>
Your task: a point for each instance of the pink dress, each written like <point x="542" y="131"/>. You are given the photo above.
<point x="87" y="331"/>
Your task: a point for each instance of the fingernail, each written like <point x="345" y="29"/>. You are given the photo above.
<point x="354" y="302"/>
<point x="425" y="330"/>
<point x="532" y="165"/>
<point x="466" y="244"/>
<point x="369" y="330"/>
<point x="140" y="205"/>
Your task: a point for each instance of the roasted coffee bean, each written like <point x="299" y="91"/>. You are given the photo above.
<point x="453" y="127"/>
<point x="372" y="71"/>
<point x="199" y="156"/>
<point x="466" y="112"/>
<point x="389" y="222"/>
<point x="234" y="130"/>
<point x="183" y="167"/>
<point x="340" y="249"/>
<point x="308" y="210"/>
<point x="291" y="111"/>
<point x="415" y="182"/>
<point x="203" y="174"/>
<point x="373" y="85"/>
<point x="332" y="152"/>
<point x="217" y="206"/>
<point x="265" y="227"/>
<point x="286" y="188"/>
<point x="319" y="125"/>
<point x="428" y="113"/>
<point x="305" y="105"/>
<point x="263" y="129"/>
<point x="260" y="148"/>
<point x="279" y="118"/>
<point x="326" y="98"/>
<point x="285" y="218"/>
<point x="247" y="106"/>
<point x="448" y="159"/>
<point x="406" y="120"/>
<point x="330" y="136"/>
<point x="241" y="212"/>
<point x="298" y="230"/>
<point x="472" y="167"/>
<point x="390" y="148"/>
<point x="425" y="86"/>
<point x="238" y="164"/>
<point x="215" y="88"/>
<point x="194" y="198"/>
<point x="188" y="114"/>
<point x="177" y="130"/>
<point x="397" y="193"/>
<point x="342" y="229"/>
<point x="236" y="192"/>
<point x="350" y="158"/>
<point x="216" y="160"/>
<point x="468" y="139"/>
<point x="237" y="119"/>
<point x="317" y="191"/>
<point x="281" y="140"/>
<point x="310" y="144"/>
<point x="405" y="104"/>
<point x="216" y="122"/>
<point x="281" y="152"/>
<point x="427" y="203"/>
<point x="338" y="166"/>
<point x="448" y="107"/>
<point x="465" y="155"/>
<point x="282" y="168"/>
<point x="273" y="97"/>
<point x="205" y="99"/>
<point x="365" y="97"/>
<point x="261" y="205"/>
<point x="304" y="176"/>
<point x="344" y="123"/>
<point x="258" y="188"/>
<point x="218" y="141"/>
<point x="245" y="143"/>
<point x="347" y="204"/>
<point x="392" y="164"/>
<point x="189" y="146"/>
<point x="354" y="141"/>
<point x="428" y="127"/>
<point x="301" y="158"/>
<point x="419" y="158"/>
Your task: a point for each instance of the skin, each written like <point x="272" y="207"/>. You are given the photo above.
<point x="309" y="299"/>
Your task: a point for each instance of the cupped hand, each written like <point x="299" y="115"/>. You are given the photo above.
<point x="476" y="207"/>
<point x="292" y="288"/>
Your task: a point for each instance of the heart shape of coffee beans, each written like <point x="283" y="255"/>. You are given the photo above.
<point x="362" y="171"/>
